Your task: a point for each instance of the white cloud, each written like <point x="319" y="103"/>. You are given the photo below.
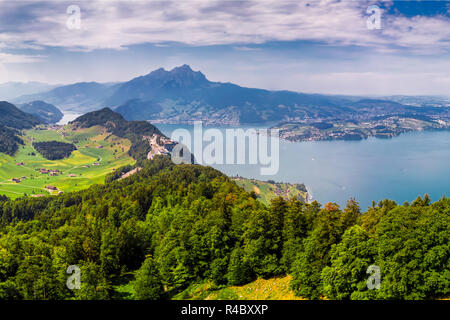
<point x="19" y="58"/>
<point x="115" y="25"/>
<point x="246" y="48"/>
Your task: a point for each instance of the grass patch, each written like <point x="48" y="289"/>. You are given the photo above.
<point x="261" y="289"/>
<point x="267" y="191"/>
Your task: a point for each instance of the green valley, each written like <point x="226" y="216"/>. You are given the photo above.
<point x="98" y="153"/>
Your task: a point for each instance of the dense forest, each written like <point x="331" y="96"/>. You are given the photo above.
<point x="54" y="150"/>
<point x="170" y="226"/>
<point x="13" y="117"/>
<point x="117" y="125"/>
<point x="9" y="140"/>
<point x="11" y="121"/>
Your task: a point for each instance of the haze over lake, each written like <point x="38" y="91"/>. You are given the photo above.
<point x="400" y="168"/>
<point x="68" y="116"/>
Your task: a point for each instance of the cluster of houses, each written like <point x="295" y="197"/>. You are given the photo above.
<point x="50" y="172"/>
<point x="53" y="188"/>
<point x="18" y="180"/>
<point x="160" y="145"/>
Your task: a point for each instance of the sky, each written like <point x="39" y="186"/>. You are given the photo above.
<point x="317" y="46"/>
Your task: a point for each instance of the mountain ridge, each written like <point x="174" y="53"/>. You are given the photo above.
<point x="45" y="112"/>
<point x="182" y="95"/>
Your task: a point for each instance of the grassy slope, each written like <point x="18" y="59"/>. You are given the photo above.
<point x="36" y="182"/>
<point x="266" y="191"/>
<point x="271" y="289"/>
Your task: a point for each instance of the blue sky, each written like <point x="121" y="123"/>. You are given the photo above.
<point x="309" y="46"/>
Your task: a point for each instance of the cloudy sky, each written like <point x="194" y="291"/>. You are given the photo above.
<point x="309" y="46"/>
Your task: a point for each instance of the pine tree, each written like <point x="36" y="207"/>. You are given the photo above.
<point x="148" y="284"/>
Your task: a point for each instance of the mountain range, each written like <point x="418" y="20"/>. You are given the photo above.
<point x="12" y="90"/>
<point x="80" y="97"/>
<point x="182" y="95"/>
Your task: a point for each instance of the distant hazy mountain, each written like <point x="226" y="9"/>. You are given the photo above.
<point x="421" y="101"/>
<point x="183" y="95"/>
<point x="46" y="112"/>
<point x="80" y="97"/>
<point x="180" y="82"/>
<point x="12" y="90"/>
<point x="13" y="117"/>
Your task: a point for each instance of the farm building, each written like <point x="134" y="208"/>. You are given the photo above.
<point x="52" y="188"/>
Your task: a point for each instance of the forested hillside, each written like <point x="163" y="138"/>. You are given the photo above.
<point x="170" y="226"/>
<point x="12" y="119"/>
<point x="117" y="125"/>
<point x="45" y="112"/>
<point x="9" y="141"/>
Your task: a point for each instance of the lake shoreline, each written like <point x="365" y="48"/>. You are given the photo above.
<point x="368" y="170"/>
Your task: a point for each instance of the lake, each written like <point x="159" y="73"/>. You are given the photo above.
<point x="68" y="116"/>
<point x="400" y="168"/>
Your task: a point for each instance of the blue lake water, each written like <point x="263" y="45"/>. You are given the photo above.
<point x="400" y="168"/>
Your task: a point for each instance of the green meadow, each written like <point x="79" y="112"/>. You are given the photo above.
<point x="266" y="191"/>
<point x="80" y="165"/>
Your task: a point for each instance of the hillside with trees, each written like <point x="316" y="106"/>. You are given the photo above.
<point x="9" y="140"/>
<point x="117" y="125"/>
<point x="45" y="112"/>
<point x="13" y="117"/>
<point x="173" y="226"/>
<point x="11" y="121"/>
